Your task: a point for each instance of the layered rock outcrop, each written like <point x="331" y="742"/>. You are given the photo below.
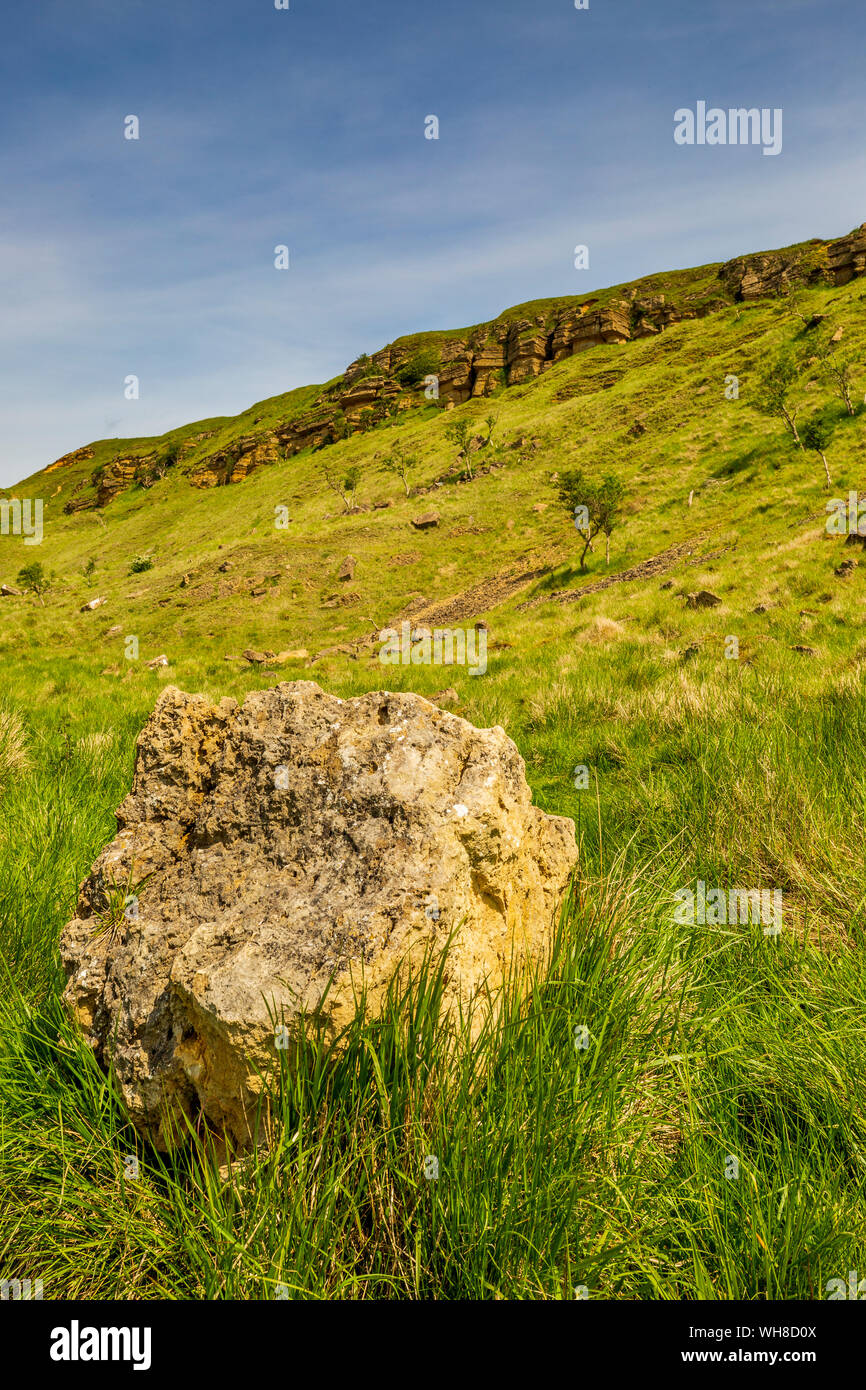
<point x="504" y="352"/>
<point x="237" y="461"/>
<point x="775" y="272"/>
<point x="847" y="257"/>
<point x="281" y="855"/>
<point x="77" y="456"/>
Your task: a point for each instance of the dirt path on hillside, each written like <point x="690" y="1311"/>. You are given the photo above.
<point x="499" y="588"/>
<point x="647" y="569"/>
<point x="490" y="594"/>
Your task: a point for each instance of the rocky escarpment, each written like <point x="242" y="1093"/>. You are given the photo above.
<point x="778" y="272"/>
<point x="275" y="858"/>
<point x="847" y="258"/>
<point x="455" y="368"/>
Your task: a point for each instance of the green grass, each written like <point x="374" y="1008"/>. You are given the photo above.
<point x="559" y="1167"/>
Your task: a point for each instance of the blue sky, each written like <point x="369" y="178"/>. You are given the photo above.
<point x="305" y="127"/>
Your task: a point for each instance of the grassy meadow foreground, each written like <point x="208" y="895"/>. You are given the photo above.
<point x="709" y="1140"/>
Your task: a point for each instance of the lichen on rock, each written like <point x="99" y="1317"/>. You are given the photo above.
<point x="276" y="857"/>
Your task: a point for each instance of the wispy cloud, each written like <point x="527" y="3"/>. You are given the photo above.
<point x="156" y="257"/>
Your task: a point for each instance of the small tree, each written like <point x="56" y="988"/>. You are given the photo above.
<point x="34" y="579"/>
<point x="460" y="434"/>
<point x="490" y="422"/>
<point x="346" y="486"/>
<point x="609" y="504"/>
<point x="167" y="460"/>
<point x="400" y="463"/>
<point x="838" y="371"/>
<point x="797" y="304"/>
<point x="418" y="367"/>
<point x="89" y="567"/>
<point x="340" y="427"/>
<point x="775" y="388"/>
<point x="595" y="504"/>
<point x="816" y="436"/>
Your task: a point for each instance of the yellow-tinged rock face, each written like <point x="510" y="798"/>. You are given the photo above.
<point x="282" y="855"/>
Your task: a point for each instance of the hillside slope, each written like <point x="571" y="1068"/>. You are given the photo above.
<point x="255" y="565"/>
<point x="718" y="745"/>
<point x="452" y="367"/>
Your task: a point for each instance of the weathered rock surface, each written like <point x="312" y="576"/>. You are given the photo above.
<point x="775" y="272"/>
<point x="847" y="257"/>
<point x="702" y="599"/>
<point x="281" y="843"/>
<point x="77" y="456"/>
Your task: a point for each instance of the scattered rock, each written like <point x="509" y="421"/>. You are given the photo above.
<point x="341" y="649"/>
<point x="838" y="335"/>
<point x="157" y="661"/>
<point x="846" y="568"/>
<point x="347" y="569"/>
<point x="691" y="650"/>
<point x="342" y="600"/>
<point x="258" y="658"/>
<point x="7" y="591"/>
<point x="445" y="697"/>
<point x="111" y="671"/>
<point x="761" y="608"/>
<point x="225" y="566"/>
<point x="668" y="584"/>
<point x="94" y="603"/>
<point x="289" y="849"/>
<point x="296" y="654"/>
<point x="702" y="599"/>
<point x="424" y="522"/>
<point x="805" y="651"/>
<point x="114" y="631"/>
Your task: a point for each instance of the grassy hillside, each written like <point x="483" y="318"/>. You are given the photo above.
<point x="603" y="1168"/>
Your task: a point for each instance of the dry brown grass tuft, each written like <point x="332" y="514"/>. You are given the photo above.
<point x="14" y="754"/>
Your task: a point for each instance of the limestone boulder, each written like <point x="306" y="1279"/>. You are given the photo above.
<point x="277" y="856"/>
